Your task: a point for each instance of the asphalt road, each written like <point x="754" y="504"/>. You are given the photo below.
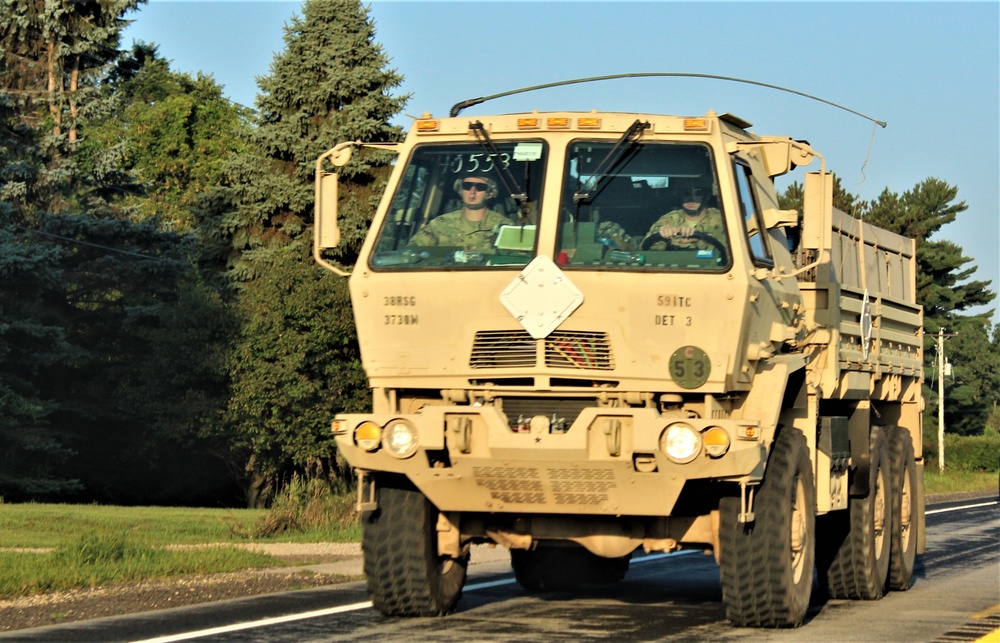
<point x="956" y="597"/>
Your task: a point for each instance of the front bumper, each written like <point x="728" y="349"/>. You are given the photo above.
<point x="609" y="461"/>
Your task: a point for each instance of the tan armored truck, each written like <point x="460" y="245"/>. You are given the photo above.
<point x="590" y="334"/>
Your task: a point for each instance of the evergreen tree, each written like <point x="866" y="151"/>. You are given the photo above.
<point x="330" y="85"/>
<point x="972" y="390"/>
<point x="296" y="362"/>
<point x="944" y="285"/>
<point x="843" y="200"/>
<point x="32" y="449"/>
<point x="946" y="289"/>
<point x="54" y="47"/>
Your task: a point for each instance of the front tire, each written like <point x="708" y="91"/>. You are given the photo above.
<point x="405" y="574"/>
<point x="767" y="566"/>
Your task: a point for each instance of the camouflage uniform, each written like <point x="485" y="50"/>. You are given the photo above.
<point x="615" y="234"/>
<point x="710" y="224"/>
<point x="453" y="229"/>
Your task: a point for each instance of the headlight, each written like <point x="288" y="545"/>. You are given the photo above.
<point x="400" y="439"/>
<point x="368" y="435"/>
<point x="681" y="443"/>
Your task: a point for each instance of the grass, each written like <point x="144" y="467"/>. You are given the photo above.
<point x="959" y="481"/>
<point x="306" y="512"/>
<point x="102" y="558"/>
<point x="55" y="525"/>
<point x="309" y="511"/>
<point x="77" y="546"/>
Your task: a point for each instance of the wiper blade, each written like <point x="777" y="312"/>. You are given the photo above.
<point x="508" y="179"/>
<point x="610" y="160"/>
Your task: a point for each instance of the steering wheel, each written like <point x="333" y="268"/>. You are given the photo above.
<point x="700" y="236"/>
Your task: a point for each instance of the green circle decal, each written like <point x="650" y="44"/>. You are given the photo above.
<point x="690" y="366"/>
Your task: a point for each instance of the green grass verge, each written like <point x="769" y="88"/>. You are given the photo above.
<point x="42" y="525"/>
<point x="104" y="558"/>
<point x="959" y="481"/>
<point x="32" y="525"/>
<point x="92" y="545"/>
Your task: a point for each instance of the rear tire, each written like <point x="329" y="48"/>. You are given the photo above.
<point x="767" y="566"/>
<point x="905" y="518"/>
<point x="551" y="568"/>
<point x="859" y="565"/>
<point x="405" y="575"/>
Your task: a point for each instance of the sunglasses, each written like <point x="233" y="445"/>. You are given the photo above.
<point x="475" y="185"/>
<point x="695" y="192"/>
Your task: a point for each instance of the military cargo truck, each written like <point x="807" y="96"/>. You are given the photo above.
<point x="570" y="360"/>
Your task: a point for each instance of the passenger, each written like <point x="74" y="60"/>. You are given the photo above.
<point x="473" y="227"/>
<point x="676" y="228"/>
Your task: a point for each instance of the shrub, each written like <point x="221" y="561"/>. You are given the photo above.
<point x="967" y="452"/>
<point x="303" y="505"/>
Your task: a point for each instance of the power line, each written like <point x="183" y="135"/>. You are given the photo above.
<point x="129" y="253"/>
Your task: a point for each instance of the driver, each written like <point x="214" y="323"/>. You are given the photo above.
<point x="677" y="227"/>
<point x="471" y="228"/>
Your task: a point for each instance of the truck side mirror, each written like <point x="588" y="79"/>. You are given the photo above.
<point x="817" y="211"/>
<point x="326" y="231"/>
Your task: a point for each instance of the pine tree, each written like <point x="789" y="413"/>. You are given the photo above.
<point x="296" y="362"/>
<point x="32" y="449"/>
<point x="330" y="85"/>
<point x="944" y="285"/>
<point x="55" y="47"/>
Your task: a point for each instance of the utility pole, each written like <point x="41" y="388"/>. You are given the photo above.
<point x="940" y="373"/>
<point x="940" y="369"/>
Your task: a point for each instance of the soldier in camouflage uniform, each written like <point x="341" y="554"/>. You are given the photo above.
<point x="677" y="226"/>
<point x="472" y="228"/>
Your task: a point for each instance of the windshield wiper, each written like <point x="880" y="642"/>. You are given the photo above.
<point x="614" y="155"/>
<point x="508" y="179"/>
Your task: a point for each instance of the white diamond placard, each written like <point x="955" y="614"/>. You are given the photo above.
<point x="541" y="297"/>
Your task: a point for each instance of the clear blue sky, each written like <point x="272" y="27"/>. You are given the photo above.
<point x="931" y="70"/>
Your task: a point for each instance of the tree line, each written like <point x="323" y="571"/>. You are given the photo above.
<point x="165" y="336"/>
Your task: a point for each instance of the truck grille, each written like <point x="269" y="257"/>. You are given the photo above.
<point x="579" y="349"/>
<point x="562" y="349"/>
<point x="526" y="485"/>
<point x="503" y="349"/>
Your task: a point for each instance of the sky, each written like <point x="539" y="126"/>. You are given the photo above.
<point x="930" y="70"/>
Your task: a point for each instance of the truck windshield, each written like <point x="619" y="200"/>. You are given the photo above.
<point x="657" y="208"/>
<point x="453" y="208"/>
